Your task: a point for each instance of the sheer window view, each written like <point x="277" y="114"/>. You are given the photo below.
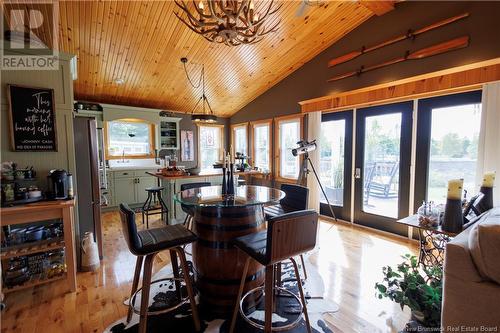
<point x="210" y="146"/>
<point x="332" y="161"/>
<point x="381" y="165"/>
<point x="453" y="149"/>
<point x="261" y="147"/>
<point x="289" y="132"/>
<point x="240" y="140"/>
<point x="128" y="138"/>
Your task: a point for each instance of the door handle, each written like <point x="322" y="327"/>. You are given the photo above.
<point x="357" y="173"/>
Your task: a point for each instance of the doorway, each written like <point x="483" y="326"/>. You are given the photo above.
<point x="382" y="166"/>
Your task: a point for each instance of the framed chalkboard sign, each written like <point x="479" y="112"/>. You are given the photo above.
<point x="32" y="118"/>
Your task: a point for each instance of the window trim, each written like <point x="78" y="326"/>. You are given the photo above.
<point x="277" y="143"/>
<point x="251" y="149"/>
<point x="221" y="149"/>
<point x="152" y="139"/>
<point x="233" y="145"/>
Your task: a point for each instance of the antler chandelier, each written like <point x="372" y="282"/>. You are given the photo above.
<point x="232" y="22"/>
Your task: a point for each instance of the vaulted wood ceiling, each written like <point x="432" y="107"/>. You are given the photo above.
<point x="142" y="42"/>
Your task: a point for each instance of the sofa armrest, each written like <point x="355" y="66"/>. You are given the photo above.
<point x="458" y="260"/>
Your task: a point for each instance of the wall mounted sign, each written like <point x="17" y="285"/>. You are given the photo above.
<point x="32" y="118"/>
<point x="187" y="146"/>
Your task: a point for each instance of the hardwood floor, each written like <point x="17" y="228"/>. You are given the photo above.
<point x="349" y="259"/>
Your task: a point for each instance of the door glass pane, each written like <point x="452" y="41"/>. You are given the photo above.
<point x="381" y="164"/>
<point x="289" y="136"/>
<point x="240" y="139"/>
<point x="453" y="149"/>
<point x="262" y="147"/>
<point x="332" y="161"/>
<point x="210" y="146"/>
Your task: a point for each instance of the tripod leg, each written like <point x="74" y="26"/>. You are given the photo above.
<point x="321" y="187"/>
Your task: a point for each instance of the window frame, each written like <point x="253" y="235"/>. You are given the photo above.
<point x="253" y="125"/>
<point x="152" y="139"/>
<point x="233" y="143"/>
<point x="221" y="149"/>
<point x="277" y="143"/>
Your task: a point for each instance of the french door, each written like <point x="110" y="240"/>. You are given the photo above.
<point x="382" y="166"/>
<point x="447" y="144"/>
<point x="336" y="163"/>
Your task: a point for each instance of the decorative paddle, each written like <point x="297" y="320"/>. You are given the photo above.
<point x="408" y="35"/>
<point x="450" y="45"/>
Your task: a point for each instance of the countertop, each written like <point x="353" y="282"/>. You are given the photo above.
<point x="216" y="172"/>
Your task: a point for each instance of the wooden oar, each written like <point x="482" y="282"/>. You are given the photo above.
<point x="450" y="45"/>
<point x="408" y="35"/>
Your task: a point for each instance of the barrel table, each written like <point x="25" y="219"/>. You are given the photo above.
<point x="219" y="218"/>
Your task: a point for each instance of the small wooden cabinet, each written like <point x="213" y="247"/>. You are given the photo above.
<point x="169" y="133"/>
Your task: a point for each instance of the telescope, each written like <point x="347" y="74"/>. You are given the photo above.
<point x="304" y="147"/>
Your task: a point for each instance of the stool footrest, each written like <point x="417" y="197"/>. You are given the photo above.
<point x="182" y="301"/>
<point x="278" y="328"/>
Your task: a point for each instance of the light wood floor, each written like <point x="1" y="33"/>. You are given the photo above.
<point x="349" y="260"/>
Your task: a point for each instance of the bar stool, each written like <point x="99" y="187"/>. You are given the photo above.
<point x="295" y="199"/>
<point x="188" y="221"/>
<point x="287" y="236"/>
<point x="145" y="244"/>
<point x="151" y="208"/>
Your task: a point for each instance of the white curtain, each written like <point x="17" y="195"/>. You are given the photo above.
<point x="313" y="133"/>
<point x="489" y="137"/>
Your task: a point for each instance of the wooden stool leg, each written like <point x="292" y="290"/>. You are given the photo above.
<point x="135" y="284"/>
<point x="240" y="293"/>
<point x="301" y="292"/>
<point x="175" y="270"/>
<point x="164" y="208"/>
<point x="189" y="287"/>
<point x="303" y="266"/>
<point x="146" y="285"/>
<point x="269" y="298"/>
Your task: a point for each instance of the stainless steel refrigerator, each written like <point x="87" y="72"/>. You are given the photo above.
<point x="89" y="180"/>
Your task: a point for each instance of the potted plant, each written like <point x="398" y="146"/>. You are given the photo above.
<point x="417" y="287"/>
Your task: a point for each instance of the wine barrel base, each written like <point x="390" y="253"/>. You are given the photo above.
<point x="218" y="264"/>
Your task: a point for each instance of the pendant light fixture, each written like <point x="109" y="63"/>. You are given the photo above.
<point x="207" y="114"/>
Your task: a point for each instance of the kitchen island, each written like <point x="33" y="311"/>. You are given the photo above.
<point x="172" y="185"/>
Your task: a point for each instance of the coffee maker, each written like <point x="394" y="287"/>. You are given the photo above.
<point x="57" y="182"/>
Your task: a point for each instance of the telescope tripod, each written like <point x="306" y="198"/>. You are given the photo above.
<point x="302" y="180"/>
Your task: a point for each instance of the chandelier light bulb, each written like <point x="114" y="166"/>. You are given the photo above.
<point x="201" y="6"/>
<point x="256" y="17"/>
<point x="251" y="6"/>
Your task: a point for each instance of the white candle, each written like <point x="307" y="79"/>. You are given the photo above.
<point x="455" y="187"/>
<point x="488" y="179"/>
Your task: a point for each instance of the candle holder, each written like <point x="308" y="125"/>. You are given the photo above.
<point x="453" y="218"/>
<point x="487" y="201"/>
<point x="224" y="183"/>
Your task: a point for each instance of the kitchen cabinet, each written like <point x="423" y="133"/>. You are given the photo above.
<point x="128" y="186"/>
<point x="169" y="132"/>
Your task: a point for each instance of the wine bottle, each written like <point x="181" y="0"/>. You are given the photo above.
<point x="230" y="185"/>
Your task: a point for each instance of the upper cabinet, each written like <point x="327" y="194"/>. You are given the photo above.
<point x="169" y="133"/>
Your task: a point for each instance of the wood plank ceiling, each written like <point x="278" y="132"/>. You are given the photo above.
<point x="141" y="42"/>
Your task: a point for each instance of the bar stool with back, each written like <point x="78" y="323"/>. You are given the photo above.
<point x="146" y="244"/>
<point x="295" y="199"/>
<point x="287" y="236"/>
<point x="188" y="221"/>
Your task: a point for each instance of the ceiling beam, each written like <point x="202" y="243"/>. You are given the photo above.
<point x="378" y="8"/>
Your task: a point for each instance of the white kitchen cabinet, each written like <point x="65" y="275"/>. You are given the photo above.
<point x="124" y="190"/>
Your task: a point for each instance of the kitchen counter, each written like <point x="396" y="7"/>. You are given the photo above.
<point x="134" y="167"/>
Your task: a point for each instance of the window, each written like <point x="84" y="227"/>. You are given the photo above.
<point x="332" y="152"/>
<point x="210" y="146"/>
<point x="453" y="150"/>
<point x="239" y="139"/>
<point x="261" y="144"/>
<point x="289" y="132"/>
<point x="129" y="138"/>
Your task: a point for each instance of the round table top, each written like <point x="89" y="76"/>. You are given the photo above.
<point x="247" y="195"/>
